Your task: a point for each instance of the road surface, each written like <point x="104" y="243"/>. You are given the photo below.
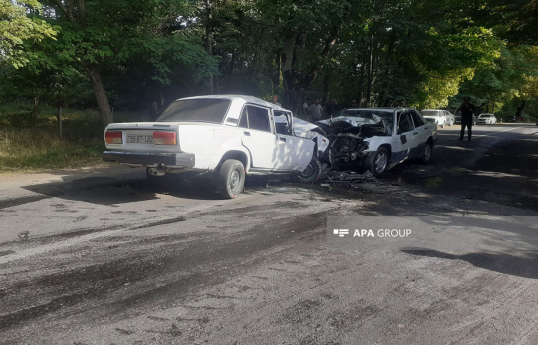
<point x="98" y="256"/>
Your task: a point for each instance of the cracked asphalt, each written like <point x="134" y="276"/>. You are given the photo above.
<point x="100" y="256"/>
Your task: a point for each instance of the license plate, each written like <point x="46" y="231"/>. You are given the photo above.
<point x="140" y="139"/>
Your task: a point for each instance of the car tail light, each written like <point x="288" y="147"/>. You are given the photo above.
<point x="164" y="138"/>
<point x="113" y="137"/>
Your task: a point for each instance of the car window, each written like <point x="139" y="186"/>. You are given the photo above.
<point x="255" y="118"/>
<point x="417" y="119"/>
<point x="405" y="124"/>
<point x="243" y="122"/>
<point x="282" y="122"/>
<point x="197" y="110"/>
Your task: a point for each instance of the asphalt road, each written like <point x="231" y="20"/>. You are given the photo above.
<point x="98" y="256"/>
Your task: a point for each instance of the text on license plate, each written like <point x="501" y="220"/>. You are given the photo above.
<point x="141" y="139"/>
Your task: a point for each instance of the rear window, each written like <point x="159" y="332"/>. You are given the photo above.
<point x="197" y="110"/>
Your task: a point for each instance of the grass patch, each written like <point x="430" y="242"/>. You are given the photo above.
<point x="25" y="146"/>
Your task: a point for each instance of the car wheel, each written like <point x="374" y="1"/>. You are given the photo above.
<point x="231" y="179"/>
<point x="379" y="161"/>
<point x="427" y="156"/>
<point x="311" y="173"/>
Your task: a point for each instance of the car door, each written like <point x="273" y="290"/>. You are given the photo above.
<point x="258" y="137"/>
<point x="294" y="153"/>
<point x="406" y="142"/>
<point x="422" y="130"/>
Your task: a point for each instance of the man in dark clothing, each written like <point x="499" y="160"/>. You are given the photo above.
<point x="154" y="111"/>
<point x="330" y="108"/>
<point x="467" y="110"/>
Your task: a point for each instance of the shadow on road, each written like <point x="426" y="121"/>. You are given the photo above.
<point x="519" y="266"/>
<point x="108" y="186"/>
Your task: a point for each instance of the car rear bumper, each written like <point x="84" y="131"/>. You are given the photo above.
<point x="150" y="159"/>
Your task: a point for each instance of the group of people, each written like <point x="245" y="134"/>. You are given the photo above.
<point x="313" y="111"/>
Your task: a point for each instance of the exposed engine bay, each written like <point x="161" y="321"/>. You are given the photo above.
<point x="348" y="133"/>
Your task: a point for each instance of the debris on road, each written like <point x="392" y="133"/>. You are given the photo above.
<point x="350" y="179"/>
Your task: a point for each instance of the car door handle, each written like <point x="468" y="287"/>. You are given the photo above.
<point x="282" y="139"/>
<point x="247" y="134"/>
<point x="415" y="133"/>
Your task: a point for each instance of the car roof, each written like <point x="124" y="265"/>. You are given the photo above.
<point x="239" y="99"/>
<point x="388" y="110"/>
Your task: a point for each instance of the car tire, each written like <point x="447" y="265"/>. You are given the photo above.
<point x="378" y="162"/>
<point x="311" y="173"/>
<point x="231" y="179"/>
<point x="428" y="151"/>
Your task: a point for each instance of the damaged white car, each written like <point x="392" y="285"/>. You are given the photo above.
<point x="228" y="136"/>
<point x="376" y="139"/>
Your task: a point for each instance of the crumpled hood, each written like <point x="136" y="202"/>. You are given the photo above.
<point x="354" y="121"/>
<point x="301" y="126"/>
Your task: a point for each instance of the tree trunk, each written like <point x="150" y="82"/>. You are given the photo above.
<point x="35" y="113"/>
<point x="209" y="37"/>
<point x="295" y="82"/>
<point x="326" y="86"/>
<point x="361" y="80"/>
<point x="370" y="72"/>
<point x="230" y="73"/>
<point x="278" y="60"/>
<point x="100" y="94"/>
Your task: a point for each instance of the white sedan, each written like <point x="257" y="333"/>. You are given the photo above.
<point x="436" y="115"/>
<point x="487" y="119"/>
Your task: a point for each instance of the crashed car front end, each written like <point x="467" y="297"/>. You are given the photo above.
<point x="351" y="139"/>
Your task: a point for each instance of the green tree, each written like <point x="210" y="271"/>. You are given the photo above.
<point x="19" y="23"/>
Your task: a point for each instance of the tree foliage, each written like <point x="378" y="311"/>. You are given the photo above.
<point x="19" y="22"/>
<point x="376" y="52"/>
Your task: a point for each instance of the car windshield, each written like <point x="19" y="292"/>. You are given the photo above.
<point x="429" y="113"/>
<point x="197" y="110"/>
<point x="487" y="115"/>
<point x="367" y="116"/>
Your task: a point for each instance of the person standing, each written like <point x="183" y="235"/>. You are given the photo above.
<point x="154" y="112"/>
<point x="467" y="110"/>
<point x="275" y="101"/>
<point x="315" y="111"/>
<point x="306" y="104"/>
<point x="330" y="108"/>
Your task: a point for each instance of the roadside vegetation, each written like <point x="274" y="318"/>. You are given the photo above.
<point x="28" y="143"/>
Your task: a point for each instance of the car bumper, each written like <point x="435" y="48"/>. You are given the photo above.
<point x="150" y="159"/>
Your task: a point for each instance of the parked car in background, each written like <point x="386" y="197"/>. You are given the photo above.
<point x="487" y="119"/>
<point x="438" y="116"/>
<point x="457" y="118"/>
<point x="227" y="136"/>
<point x="510" y="119"/>
<point x="449" y="118"/>
<point x="376" y="139"/>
